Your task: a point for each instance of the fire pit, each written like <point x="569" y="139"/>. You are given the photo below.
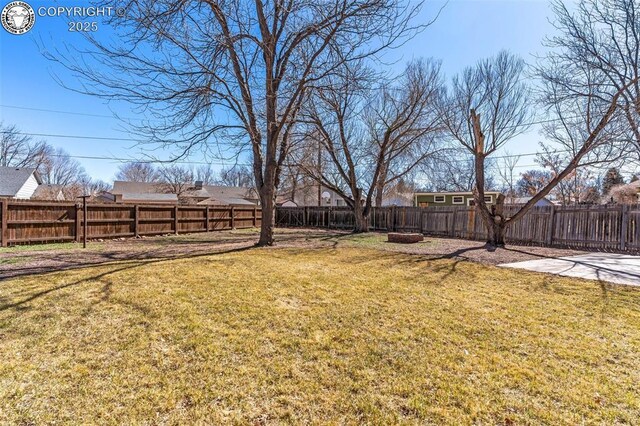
<point x="405" y="238"/>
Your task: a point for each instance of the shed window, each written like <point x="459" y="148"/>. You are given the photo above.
<point x="438" y="198"/>
<point x="487" y="198"/>
<point x="458" y="199"/>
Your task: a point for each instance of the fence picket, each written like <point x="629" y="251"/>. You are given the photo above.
<point x="608" y="227"/>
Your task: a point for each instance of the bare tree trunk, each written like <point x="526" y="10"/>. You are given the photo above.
<point x="361" y="218"/>
<point x="497" y="233"/>
<point x="378" y="197"/>
<point x="268" y="202"/>
<point x="382" y="177"/>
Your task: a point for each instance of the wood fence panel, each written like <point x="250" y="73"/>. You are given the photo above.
<point x="633" y="228"/>
<point x="607" y="227"/>
<point x="27" y="222"/>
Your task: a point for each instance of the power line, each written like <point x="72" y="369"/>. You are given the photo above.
<point x="532" y="123"/>
<point x="128" y="160"/>
<point x="49" y="135"/>
<point x="85" y="114"/>
<point x="529" y="154"/>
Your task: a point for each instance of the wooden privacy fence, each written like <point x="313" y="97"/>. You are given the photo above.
<point x="611" y="227"/>
<point x="28" y="222"/>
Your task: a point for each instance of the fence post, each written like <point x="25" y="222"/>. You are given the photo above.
<point x="255" y="216"/>
<point x="552" y="225"/>
<point x="623" y="227"/>
<point x="393" y="218"/>
<point x="5" y="213"/>
<point x="452" y="231"/>
<point x="85" y="221"/>
<point x="305" y="216"/>
<point x="233" y="217"/>
<point x="175" y="220"/>
<point x="78" y="223"/>
<point x="206" y="219"/>
<point x="136" y="220"/>
<point x="329" y="217"/>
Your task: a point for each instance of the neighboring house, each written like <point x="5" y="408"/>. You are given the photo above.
<point x="49" y="192"/>
<point x="138" y="192"/>
<point x="154" y="193"/>
<point x="18" y="183"/>
<point x="227" y="195"/>
<point x="309" y="197"/>
<point x="330" y="198"/>
<point x="524" y="200"/>
<point x="431" y="199"/>
<point x="398" y="199"/>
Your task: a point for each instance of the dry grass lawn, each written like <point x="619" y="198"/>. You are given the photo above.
<point x="347" y="335"/>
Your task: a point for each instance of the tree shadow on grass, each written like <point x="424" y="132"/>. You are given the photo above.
<point x="128" y="265"/>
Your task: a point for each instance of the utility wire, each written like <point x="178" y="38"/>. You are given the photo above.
<point x="528" y="154"/>
<point x="85" y="114"/>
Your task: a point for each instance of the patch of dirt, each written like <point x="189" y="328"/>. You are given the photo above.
<point x="41" y="259"/>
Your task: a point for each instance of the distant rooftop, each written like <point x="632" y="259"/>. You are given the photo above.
<point x="13" y="178"/>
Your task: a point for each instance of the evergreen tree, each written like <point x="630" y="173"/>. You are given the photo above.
<point x="611" y="179"/>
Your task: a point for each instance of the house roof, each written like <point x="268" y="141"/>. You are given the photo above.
<point x="453" y="193"/>
<point x="226" y="201"/>
<point x="142" y="196"/>
<point x="13" y="178"/>
<point x="48" y="192"/>
<point x="124" y="187"/>
<point x="525" y="200"/>
<point x="220" y="191"/>
<point x="209" y="194"/>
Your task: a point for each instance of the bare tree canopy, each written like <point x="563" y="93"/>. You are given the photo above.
<point x="176" y="179"/>
<point x="137" y="172"/>
<point x="600" y="41"/>
<point x="18" y="149"/>
<point x="588" y="114"/>
<point x="488" y="106"/>
<point x="495" y="90"/>
<point x="58" y="168"/>
<point x="235" y="176"/>
<point x="235" y="72"/>
<point x="373" y="135"/>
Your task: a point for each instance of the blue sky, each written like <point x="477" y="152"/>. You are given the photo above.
<point x="466" y="31"/>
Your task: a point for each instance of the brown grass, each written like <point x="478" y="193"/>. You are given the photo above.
<point x="349" y="335"/>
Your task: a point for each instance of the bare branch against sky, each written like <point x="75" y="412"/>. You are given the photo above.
<point x="234" y="73"/>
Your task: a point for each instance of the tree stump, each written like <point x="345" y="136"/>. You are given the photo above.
<point x="405" y="238"/>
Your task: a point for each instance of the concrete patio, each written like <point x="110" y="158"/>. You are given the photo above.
<point x="610" y="267"/>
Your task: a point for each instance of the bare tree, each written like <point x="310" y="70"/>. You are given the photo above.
<point x="373" y="136"/>
<point x="18" y="149"/>
<point x="176" y="179"/>
<point x="453" y="170"/>
<point x="235" y="72"/>
<point x="236" y="176"/>
<point x="58" y="168"/>
<point x="84" y="186"/>
<point x="604" y="36"/>
<point x="576" y="185"/>
<point x="494" y="90"/>
<point x="205" y="174"/>
<point x="532" y="181"/>
<point x="490" y="105"/>
<point x="137" y="172"/>
<point x="507" y="173"/>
